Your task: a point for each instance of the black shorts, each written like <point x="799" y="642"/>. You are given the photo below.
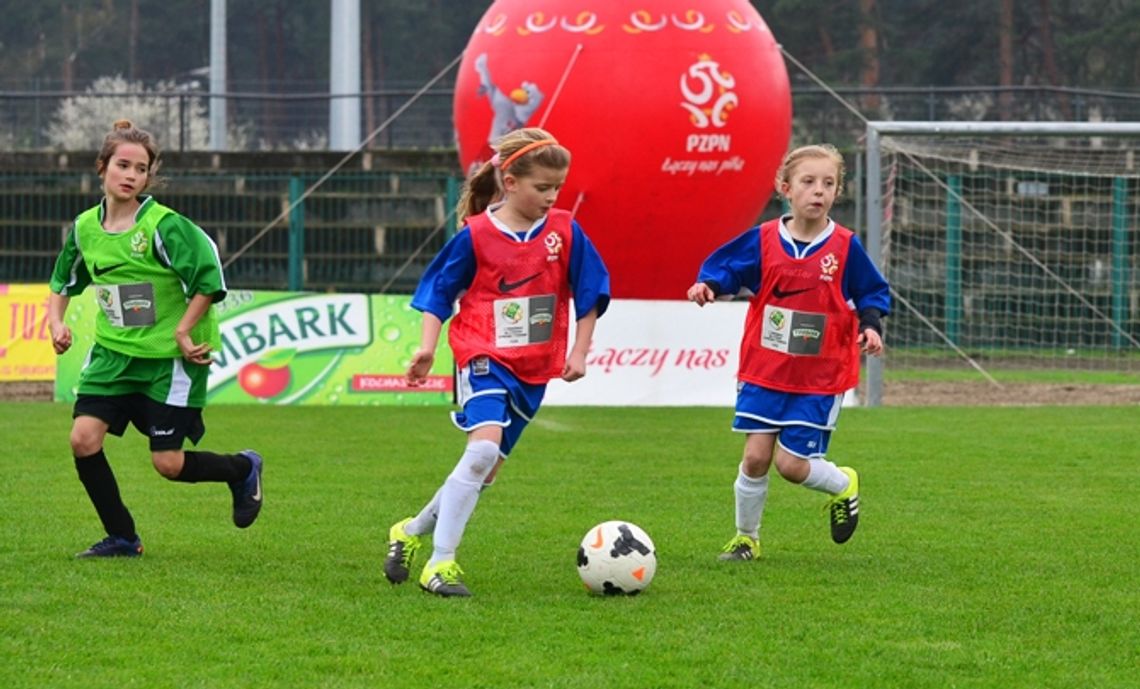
<point x="166" y="426"/>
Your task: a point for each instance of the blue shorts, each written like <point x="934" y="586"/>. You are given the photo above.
<point x="802" y="423"/>
<point x="492" y="396"/>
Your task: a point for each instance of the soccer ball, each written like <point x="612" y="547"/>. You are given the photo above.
<point x="616" y="558"/>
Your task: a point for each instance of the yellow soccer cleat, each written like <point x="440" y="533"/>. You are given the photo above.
<point x="844" y="509"/>
<point x="741" y="548"/>
<point x="442" y="579"/>
<point x="402" y="548"/>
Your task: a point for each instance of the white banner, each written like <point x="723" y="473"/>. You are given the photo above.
<point x="659" y="353"/>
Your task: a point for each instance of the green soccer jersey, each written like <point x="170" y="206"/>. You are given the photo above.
<point x="144" y="278"/>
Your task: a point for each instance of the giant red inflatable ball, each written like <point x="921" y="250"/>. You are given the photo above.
<point x="677" y="114"/>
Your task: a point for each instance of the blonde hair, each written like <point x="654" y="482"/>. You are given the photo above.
<point x="795" y="157"/>
<point x="125" y="132"/>
<point x="485" y="185"/>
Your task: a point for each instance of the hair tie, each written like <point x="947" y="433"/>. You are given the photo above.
<point x="524" y="150"/>
<point x="495" y="160"/>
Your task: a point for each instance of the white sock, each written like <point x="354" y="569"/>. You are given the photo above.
<point x="825" y="477"/>
<point x="424" y="522"/>
<point x="751" y="494"/>
<point x="458" y="496"/>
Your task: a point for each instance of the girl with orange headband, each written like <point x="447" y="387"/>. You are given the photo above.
<point x="514" y="266"/>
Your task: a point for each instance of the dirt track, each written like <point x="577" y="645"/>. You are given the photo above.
<point x="927" y="394"/>
<point x="26" y="391"/>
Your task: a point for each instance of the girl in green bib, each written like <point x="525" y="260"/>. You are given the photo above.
<point x="156" y="276"/>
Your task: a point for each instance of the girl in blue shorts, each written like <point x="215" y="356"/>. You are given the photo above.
<point x="514" y="266"/>
<point x="816" y="302"/>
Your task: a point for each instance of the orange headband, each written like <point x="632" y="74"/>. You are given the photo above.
<point x="524" y="150"/>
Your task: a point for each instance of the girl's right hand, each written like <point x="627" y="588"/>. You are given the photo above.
<point x="419" y="367"/>
<point x="60" y="337"/>
<point x="701" y="294"/>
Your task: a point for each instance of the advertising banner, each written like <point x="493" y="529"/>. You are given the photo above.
<point x="25" y="343"/>
<point x="299" y="348"/>
<point x="659" y="353"/>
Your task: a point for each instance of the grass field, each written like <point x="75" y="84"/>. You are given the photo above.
<point x="997" y="548"/>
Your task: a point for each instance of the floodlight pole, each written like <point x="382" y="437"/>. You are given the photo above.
<point x="344" y="75"/>
<point x="218" y="140"/>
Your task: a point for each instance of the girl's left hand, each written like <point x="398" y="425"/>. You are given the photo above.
<point x="60" y="337"/>
<point x="194" y="353"/>
<point x="700" y="294"/>
<point x="419" y="367"/>
<point x="575" y="368"/>
<point x="870" y="342"/>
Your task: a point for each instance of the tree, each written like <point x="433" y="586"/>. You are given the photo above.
<point x="82" y="121"/>
<point x="1005" y="56"/>
<point x="869" y="45"/>
<point x="940" y="43"/>
<point x="1049" y="53"/>
<point x="1089" y="43"/>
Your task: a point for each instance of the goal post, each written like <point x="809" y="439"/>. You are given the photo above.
<point x="1009" y="246"/>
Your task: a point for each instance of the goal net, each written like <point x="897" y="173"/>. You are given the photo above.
<point x="1011" y="249"/>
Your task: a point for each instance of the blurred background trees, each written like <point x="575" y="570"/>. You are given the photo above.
<point x="282" y="45"/>
<point x="894" y="59"/>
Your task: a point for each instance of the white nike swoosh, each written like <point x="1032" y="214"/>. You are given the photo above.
<point x="257" y="493"/>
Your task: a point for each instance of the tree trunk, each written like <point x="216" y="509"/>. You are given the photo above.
<point x="1049" y="52"/>
<point x="384" y="140"/>
<point x="263" y="67"/>
<point x="133" y="42"/>
<point x="1005" y="59"/>
<point x="869" y="45"/>
<point x="826" y="43"/>
<point x="67" y="74"/>
<point x="277" y="68"/>
<point x="367" y="67"/>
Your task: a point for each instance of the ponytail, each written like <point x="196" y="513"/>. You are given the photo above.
<point x="479" y="191"/>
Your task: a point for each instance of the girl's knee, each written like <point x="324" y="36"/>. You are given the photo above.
<point x="87" y="434"/>
<point x="756" y="465"/>
<point x="85" y="442"/>
<point x="169" y="464"/>
<point x="792" y="468"/>
<point x="757" y="459"/>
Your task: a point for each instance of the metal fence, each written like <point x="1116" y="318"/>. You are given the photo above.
<point x="299" y="120"/>
<point x="257" y="122"/>
<point x="373" y="231"/>
<point x="356" y="232"/>
<point x="820" y="115"/>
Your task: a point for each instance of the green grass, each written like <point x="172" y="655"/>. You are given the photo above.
<point x="997" y="548"/>
<point x="1030" y="365"/>
<point x="964" y="374"/>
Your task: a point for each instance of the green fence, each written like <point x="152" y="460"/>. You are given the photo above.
<point x="360" y="232"/>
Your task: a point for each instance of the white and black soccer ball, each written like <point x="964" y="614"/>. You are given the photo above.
<point x="617" y="558"/>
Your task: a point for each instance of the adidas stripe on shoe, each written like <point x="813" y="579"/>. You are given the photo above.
<point x="443" y="580"/>
<point x="843" y="509"/>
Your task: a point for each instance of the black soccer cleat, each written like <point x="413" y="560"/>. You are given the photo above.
<point x="247" y="492"/>
<point x="114" y="546"/>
